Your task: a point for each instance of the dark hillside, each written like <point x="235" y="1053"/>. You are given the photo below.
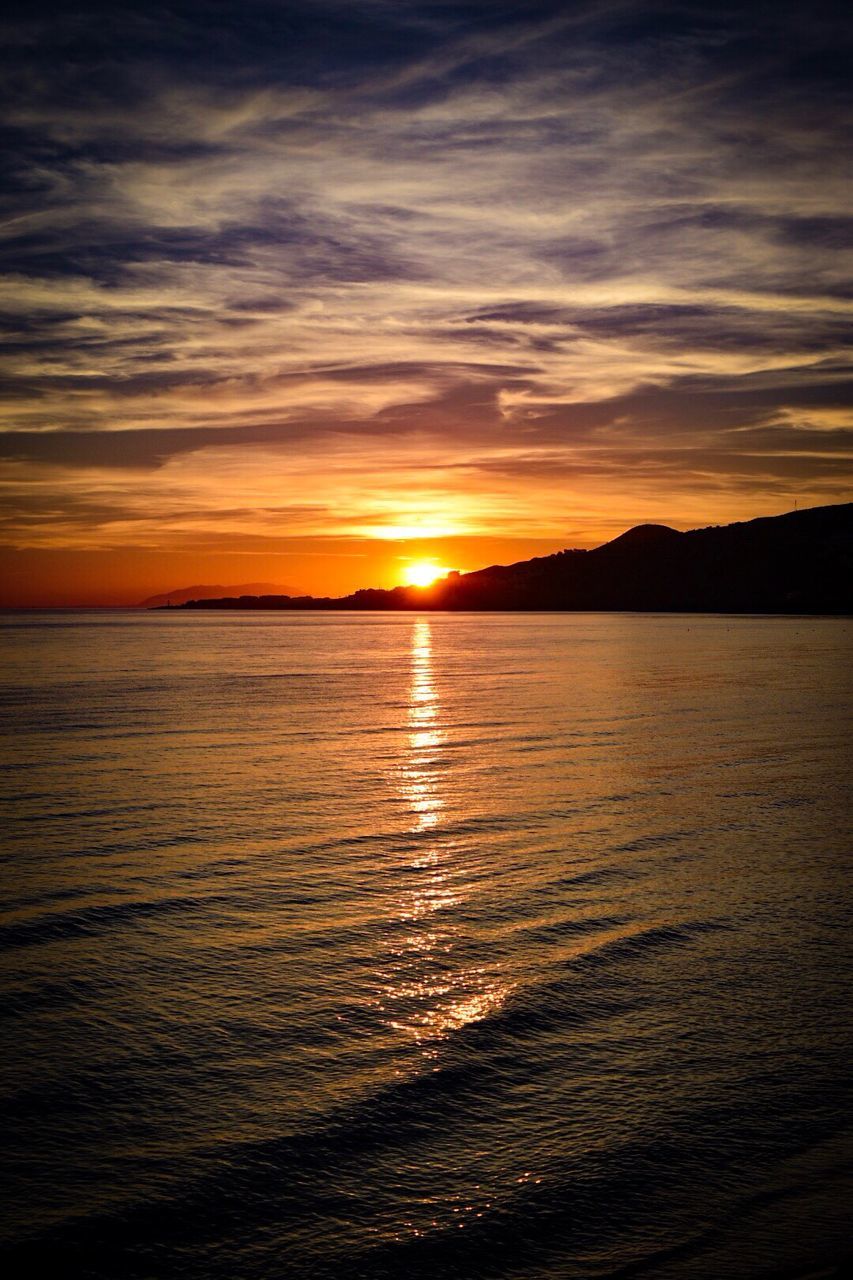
<point x="801" y="562"/>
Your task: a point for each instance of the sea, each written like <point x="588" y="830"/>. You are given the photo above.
<point x="342" y="946"/>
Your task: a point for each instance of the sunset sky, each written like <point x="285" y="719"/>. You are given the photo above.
<point x="299" y="293"/>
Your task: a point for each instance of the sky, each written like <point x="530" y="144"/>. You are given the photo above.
<point x="300" y="293"/>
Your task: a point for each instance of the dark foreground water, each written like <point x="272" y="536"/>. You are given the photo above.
<point x="447" y="946"/>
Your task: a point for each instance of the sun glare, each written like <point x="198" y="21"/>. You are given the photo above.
<point x="423" y="573"/>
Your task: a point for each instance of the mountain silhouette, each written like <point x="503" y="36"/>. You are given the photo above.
<point x="801" y="562"/>
<point x="182" y="594"/>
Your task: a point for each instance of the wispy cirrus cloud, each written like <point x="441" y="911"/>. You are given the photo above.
<point x="508" y="259"/>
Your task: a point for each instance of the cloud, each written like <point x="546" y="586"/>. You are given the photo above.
<point x="548" y="240"/>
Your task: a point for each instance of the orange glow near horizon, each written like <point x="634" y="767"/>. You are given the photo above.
<point x="117" y="576"/>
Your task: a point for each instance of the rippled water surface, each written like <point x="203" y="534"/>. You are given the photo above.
<point x="425" y="946"/>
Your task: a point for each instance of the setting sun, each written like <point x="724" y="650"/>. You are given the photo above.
<point x="422" y="573"/>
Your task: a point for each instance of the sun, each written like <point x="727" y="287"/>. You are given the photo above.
<point x="423" y="573"/>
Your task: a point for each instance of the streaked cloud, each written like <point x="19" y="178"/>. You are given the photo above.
<point x="478" y="267"/>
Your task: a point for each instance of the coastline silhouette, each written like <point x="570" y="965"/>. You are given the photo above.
<point x="801" y="562"/>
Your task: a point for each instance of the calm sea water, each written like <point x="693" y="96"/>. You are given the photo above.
<point x="426" y="946"/>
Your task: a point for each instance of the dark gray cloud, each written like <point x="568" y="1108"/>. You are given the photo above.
<point x="592" y="239"/>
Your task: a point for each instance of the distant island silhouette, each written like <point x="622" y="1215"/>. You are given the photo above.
<point x="181" y="595"/>
<point x="801" y="562"/>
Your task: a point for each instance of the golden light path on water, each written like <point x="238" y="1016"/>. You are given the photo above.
<point x="440" y="995"/>
<point x="426" y="737"/>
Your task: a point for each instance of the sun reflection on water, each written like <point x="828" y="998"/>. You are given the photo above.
<point x="420" y="784"/>
<point x="430" y="994"/>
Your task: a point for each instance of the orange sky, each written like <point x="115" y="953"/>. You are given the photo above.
<point x="48" y="577"/>
<point x="473" y="282"/>
<point x="125" y="576"/>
